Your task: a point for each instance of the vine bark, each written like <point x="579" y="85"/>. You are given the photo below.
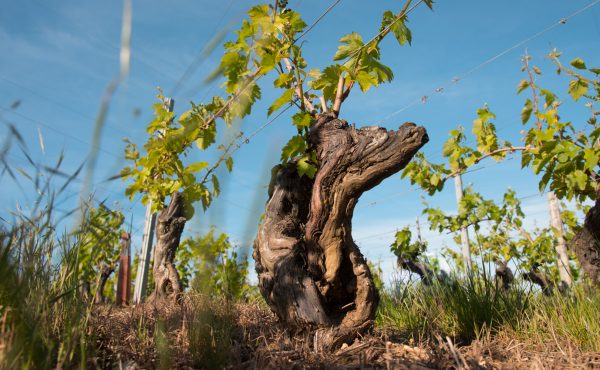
<point x="105" y="271"/>
<point x="426" y="274"/>
<point x="542" y="279"/>
<point x="504" y="275"/>
<point x="586" y="244"/>
<point x="310" y="270"/>
<point x="169" y="226"/>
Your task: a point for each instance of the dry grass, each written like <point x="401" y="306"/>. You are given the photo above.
<point x="254" y="339"/>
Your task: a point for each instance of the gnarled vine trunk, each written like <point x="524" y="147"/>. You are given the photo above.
<point x="310" y="270"/>
<point x="426" y="274"/>
<point x="169" y="226"/>
<point x="504" y="275"/>
<point x="586" y="244"/>
<point x="542" y="279"/>
<point x="105" y="271"/>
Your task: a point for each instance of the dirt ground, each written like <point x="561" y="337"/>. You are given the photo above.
<point x="251" y="338"/>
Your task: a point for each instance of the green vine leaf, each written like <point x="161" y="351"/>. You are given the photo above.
<point x="526" y="111"/>
<point x="302" y="120"/>
<point x="327" y="81"/>
<point x="366" y="80"/>
<point x="196" y="167"/>
<point x="286" y="97"/>
<point x="578" y="63"/>
<point x="296" y="146"/>
<point x="306" y="167"/>
<point x="577" y="89"/>
<point x="351" y="47"/>
<point x="524" y="84"/>
<point x="229" y="164"/>
<point x="398" y="27"/>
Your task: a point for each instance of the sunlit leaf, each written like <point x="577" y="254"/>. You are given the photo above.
<point x="578" y="63"/>
<point x="286" y="97"/>
<point x="526" y="111"/>
<point x="577" y="88"/>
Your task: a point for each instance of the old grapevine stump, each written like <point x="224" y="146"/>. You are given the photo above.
<point x="105" y="271"/>
<point x="541" y="279"/>
<point x="169" y="227"/>
<point x="586" y="243"/>
<point x="310" y="270"/>
<point x="426" y="274"/>
<point x="504" y="275"/>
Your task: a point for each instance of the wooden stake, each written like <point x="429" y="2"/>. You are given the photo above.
<point x="124" y="276"/>
<point x="464" y="232"/>
<point x="561" y="249"/>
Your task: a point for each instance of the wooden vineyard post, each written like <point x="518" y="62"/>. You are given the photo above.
<point x="561" y="248"/>
<point x="124" y="277"/>
<point x="464" y="232"/>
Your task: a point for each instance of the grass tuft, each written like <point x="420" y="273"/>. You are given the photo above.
<point x="474" y="308"/>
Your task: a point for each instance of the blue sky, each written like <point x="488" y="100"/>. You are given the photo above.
<point x="58" y="58"/>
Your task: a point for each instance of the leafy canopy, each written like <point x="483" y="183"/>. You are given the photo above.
<point x="98" y="240"/>
<point x="499" y="234"/>
<point x="214" y="262"/>
<point x="565" y="154"/>
<point x="266" y="43"/>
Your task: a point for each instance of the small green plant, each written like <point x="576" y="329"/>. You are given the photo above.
<point x="376" y="271"/>
<point x="210" y="264"/>
<point x="565" y="154"/>
<point x="98" y="238"/>
<point x="161" y="340"/>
